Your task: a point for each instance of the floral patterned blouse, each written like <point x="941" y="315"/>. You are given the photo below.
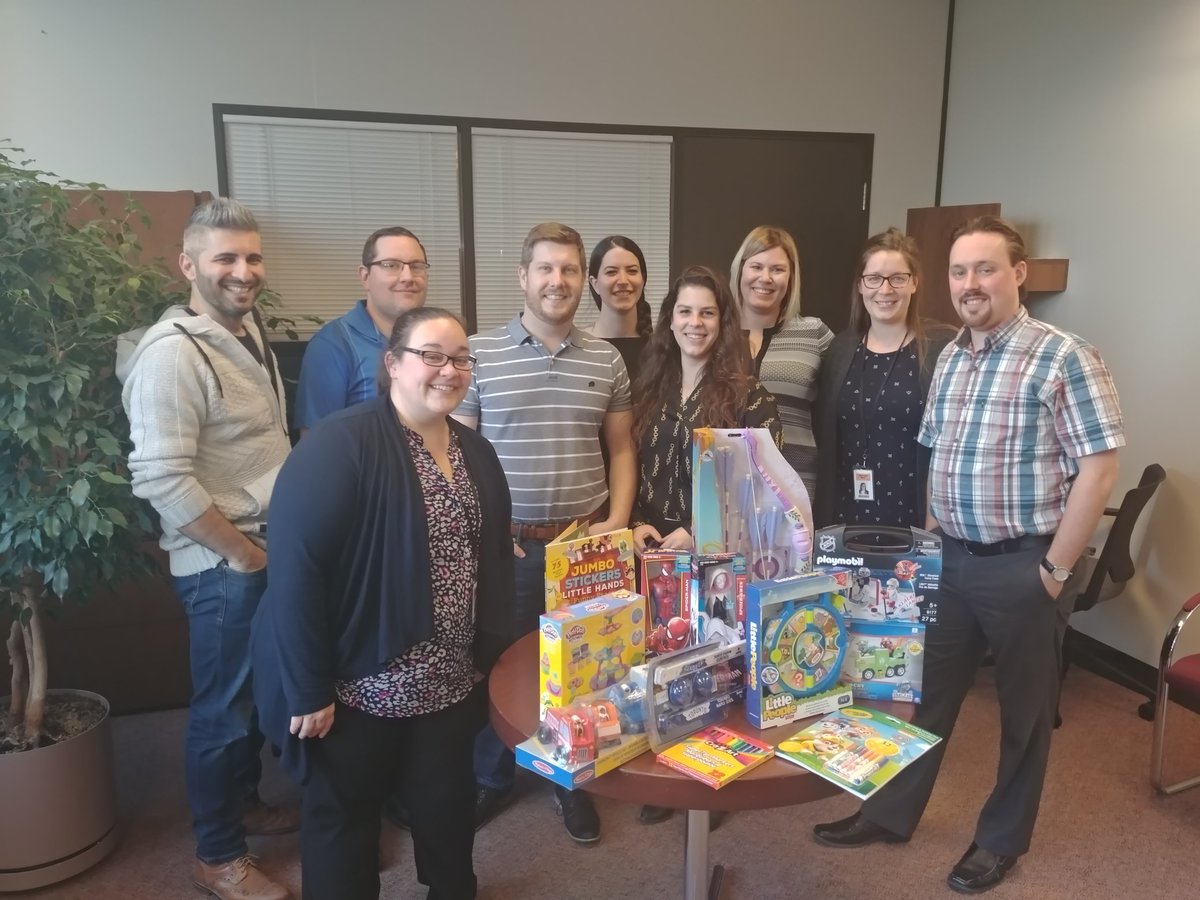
<point x="439" y="672"/>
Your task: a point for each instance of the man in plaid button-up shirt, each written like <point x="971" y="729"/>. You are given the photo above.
<point x="1024" y="424"/>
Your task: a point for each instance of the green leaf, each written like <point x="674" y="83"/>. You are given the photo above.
<point x="116" y="516"/>
<point x="74" y="385"/>
<point x="104" y="527"/>
<point x="112" y="477"/>
<point x="80" y="491"/>
<point x="62" y="582"/>
<point x="88" y="522"/>
<point x="109" y="446"/>
<point x="56" y="391"/>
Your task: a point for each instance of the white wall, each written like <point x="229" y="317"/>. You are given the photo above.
<point x="1082" y="118"/>
<point x="122" y="92"/>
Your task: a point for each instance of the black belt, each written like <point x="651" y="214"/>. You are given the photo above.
<point x="1012" y="545"/>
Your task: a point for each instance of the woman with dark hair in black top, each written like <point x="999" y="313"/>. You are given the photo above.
<point x="617" y="280"/>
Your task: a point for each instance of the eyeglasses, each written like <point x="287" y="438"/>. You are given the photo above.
<point x="436" y="359"/>
<point x="396" y="266"/>
<point x="898" y="280"/>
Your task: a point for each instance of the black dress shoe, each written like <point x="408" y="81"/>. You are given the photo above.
<point x="579" y="815"/>
<point x="652" y="815"/>
<point x="979" y="870"/>
<point x="854" y="831"/>
<point x="488" y="802"/>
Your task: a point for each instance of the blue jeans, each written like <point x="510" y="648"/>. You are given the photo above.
<point x="495" y="764"/>
<point x="222" y="744"/>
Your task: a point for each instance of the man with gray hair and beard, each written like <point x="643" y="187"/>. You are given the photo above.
<point x="206" y="411"/>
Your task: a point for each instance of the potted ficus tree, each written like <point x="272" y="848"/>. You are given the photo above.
<point x="69" y="285"/>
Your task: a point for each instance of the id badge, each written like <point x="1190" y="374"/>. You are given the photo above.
<point x="864" y="485"/>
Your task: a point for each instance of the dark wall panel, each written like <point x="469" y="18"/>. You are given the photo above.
<point x="814" y="185"/>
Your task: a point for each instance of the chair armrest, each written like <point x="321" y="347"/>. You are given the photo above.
<point x="1167" y="655"/>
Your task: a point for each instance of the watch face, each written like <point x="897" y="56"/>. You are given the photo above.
<point x="1060" y="574"/>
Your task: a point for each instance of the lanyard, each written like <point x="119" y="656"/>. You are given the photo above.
<point x="861" y="355"/>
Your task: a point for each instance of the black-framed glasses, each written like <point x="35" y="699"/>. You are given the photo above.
<point x="897" y="280"/>
<point x="437" y="359"/>
<point x="396" y="266"/>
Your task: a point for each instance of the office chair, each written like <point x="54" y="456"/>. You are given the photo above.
<point x="1178" y="680"/>
<point x="1106" y="574"/>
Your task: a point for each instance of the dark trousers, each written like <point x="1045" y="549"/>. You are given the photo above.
<point x="495" y="764"/>
<point x="995" y="602"/>
<point x="427" y="759"/>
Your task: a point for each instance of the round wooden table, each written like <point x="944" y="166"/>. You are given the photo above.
<point x="513" y="698"/>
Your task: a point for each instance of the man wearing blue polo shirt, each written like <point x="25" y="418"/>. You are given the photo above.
<point x="546" y="394"/>
<point x="341" y="361"/>
<point x="1024" y="425"/>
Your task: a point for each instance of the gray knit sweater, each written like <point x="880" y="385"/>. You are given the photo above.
<point x="207" y="426"/>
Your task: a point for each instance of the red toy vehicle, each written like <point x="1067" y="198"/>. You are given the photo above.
<point x="575" y="733"/>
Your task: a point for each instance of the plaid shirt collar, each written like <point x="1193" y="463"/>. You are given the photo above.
<point x="997" y="337"/>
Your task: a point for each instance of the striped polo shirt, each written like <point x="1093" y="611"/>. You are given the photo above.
<point x="1006" y="424"/>
<point x="542" y="409"/>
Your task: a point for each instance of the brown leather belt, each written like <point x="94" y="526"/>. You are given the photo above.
<point x="546" y="531"/>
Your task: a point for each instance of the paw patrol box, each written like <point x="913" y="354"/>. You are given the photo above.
<point x="885" y="660"/>
<point x="795" y="644"/>
<point x="590" y="646"/>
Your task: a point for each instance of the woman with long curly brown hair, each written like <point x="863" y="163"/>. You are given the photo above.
<point x="696" y="373"/>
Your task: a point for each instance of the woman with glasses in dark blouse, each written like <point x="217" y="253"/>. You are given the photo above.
<point x="874" y="380"/>
<point x="389" y="561"/>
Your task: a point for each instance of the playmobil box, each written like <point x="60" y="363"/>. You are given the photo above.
<point x="718" y="598"/>
<point x="895" y="572"/>
<point x="885" y="660"/>
<point x="595" y="734"/>
<point x="746" y="499"/>
<point x="667" y="583"/>
<point x="795" y="644"/>
<point x="590" y="646"/>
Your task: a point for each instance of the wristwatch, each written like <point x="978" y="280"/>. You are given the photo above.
<point x="1058" y="573"/>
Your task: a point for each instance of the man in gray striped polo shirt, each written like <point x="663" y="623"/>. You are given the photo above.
<point x="545" y="394"/>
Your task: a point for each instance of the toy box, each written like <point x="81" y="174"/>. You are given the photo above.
<point x="580" y="566"/>
<point x="594" y="735"/>
<point x="687" y="690"/>
<point x="895" y="571"/>
<point x="747" y="499"/>
<point x="590" y="646"/>
<point x="885" y="660"/>
<point x="718" y="598"/>
<point x="667" y="585"/>
<point x="796" y="641"/>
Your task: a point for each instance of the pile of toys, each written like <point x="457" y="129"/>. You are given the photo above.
<point x="794" y="623"/>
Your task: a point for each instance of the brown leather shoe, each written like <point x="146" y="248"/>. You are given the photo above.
<point x="240" y="879"/>
<point x="262" y="818"/>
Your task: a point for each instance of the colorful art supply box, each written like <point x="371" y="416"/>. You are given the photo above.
<point x="590" y="646"/>
<point x="885" y="660"/>
<point x="667" y="584"/>
<point x="747" y="499"/>
<point x="580" y="566"/>
<point x="796" y="640"/>
<point x="895" y="572"/>
<point x="718" y="598"/>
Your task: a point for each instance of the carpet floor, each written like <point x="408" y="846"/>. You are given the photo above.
<point x="1102" y="832"/>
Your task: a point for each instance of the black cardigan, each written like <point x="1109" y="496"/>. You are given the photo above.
<point x="835" y="363"/>
<point x="348" y="539"/>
